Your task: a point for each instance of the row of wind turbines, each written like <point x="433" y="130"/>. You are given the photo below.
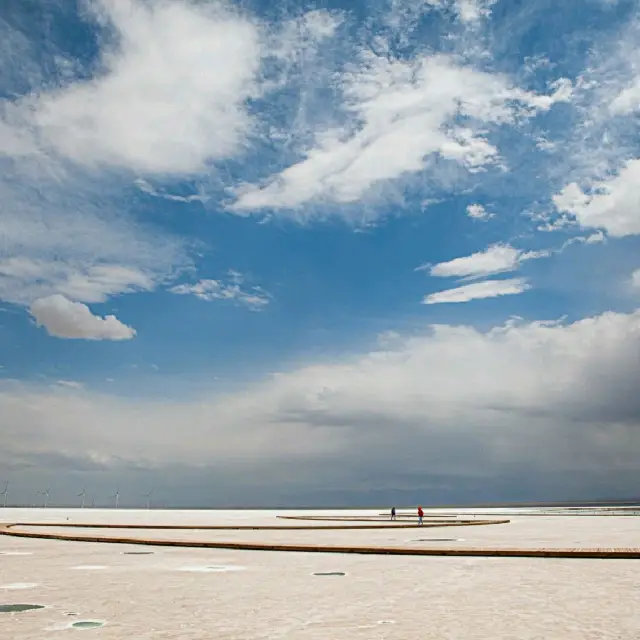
<point x="82" y="495"/>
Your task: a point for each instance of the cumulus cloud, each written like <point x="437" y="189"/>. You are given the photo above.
<point x="452" y="402"/>
<point x="628" y="100"/>
<point x="635" y="279"/>
<point x="479" y="290"/>
<point x="169" y="97"/>
<point x="473" y="10"/>
<point x="254" y="298"/>
<point x="65" y="319"/>
<point x="612" y="205"/>
<point x="478" y="212"/>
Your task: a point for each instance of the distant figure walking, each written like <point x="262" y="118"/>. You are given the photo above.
<point x="393" y="513"/>
<point x="420" y="515"/>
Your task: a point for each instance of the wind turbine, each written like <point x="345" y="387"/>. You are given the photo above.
<point x="46" y="497"/>
<point x="82" y="495"/>
<point x="4" y="493"/>
<point x="148" y="497"/>
<point x="116" y="495"/>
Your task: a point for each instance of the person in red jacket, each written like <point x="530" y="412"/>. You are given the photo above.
<point x="420" y="515"/>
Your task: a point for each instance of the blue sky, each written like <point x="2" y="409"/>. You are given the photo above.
<point x="320" y="252"/>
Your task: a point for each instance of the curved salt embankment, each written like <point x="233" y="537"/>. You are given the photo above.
<point x="603" y="553"/>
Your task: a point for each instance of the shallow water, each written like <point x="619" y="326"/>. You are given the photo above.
<point x="18" y="608"/>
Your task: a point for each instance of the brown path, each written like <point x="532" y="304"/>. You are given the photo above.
<point x="613" y="553"/>
<point x="406" y="524"/>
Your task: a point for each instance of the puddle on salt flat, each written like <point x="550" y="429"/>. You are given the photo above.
<point x="329" y="573"/>
<point x="435" y="540"/>
<point x="222" y="568"/>
<point x="137" y="553"/>
<point x="17" y="608"/>
<point x="87" y="624"/>
<point x="19" y="585"/>
<point x="372" y="626"/>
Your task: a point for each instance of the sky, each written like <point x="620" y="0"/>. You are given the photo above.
<point x="319" y="253"/>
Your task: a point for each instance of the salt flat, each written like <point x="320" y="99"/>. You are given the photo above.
<point x="200" y="593"/>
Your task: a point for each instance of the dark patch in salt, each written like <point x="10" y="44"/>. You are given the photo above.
<point x="87" y="624"/>
<point x="15" y="608"/>
<point x="330" y="573"/>
<point x="138" y="553"/>
<point x="435" y="540"/>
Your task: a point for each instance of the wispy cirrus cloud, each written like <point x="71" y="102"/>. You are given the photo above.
<point x="254" y="298"/>
<point x="478" y="291"/>
<point x="497" y="258"/>
<point x="597" y="158"/>
<point x="403" y="114"/>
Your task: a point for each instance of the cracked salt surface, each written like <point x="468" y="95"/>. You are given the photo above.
<point x="392" y="597"/>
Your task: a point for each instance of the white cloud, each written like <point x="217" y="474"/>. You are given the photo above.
<point x="23" y="280"/>
<point x="478" y="212"/>
<point x="628" y="100"/>
<point x="595" y="238"/>
<point x="598" y="153"/>
<point x="478" y="290"/>
<point x="402" y="114"/>
<point x="66" y="230"/>
<point x="635" y="279"/>
<point x="497" y="258"/>
<point x="548" y="397"/>
<point x="612" y="205"/>
<point x="65" y="319"/>
<point x="64" y="237"/>
<point x="145" y="187"/>
<point x="169" y="96"/>
<point x="473" y="10"/>
<point x="254" y="298"/>
<point x="72" y="384"/>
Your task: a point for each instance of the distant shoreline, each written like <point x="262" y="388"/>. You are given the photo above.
<point x="611" y="504"/>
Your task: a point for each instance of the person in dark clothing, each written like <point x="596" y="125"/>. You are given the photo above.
<point x="393" y="513"/>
